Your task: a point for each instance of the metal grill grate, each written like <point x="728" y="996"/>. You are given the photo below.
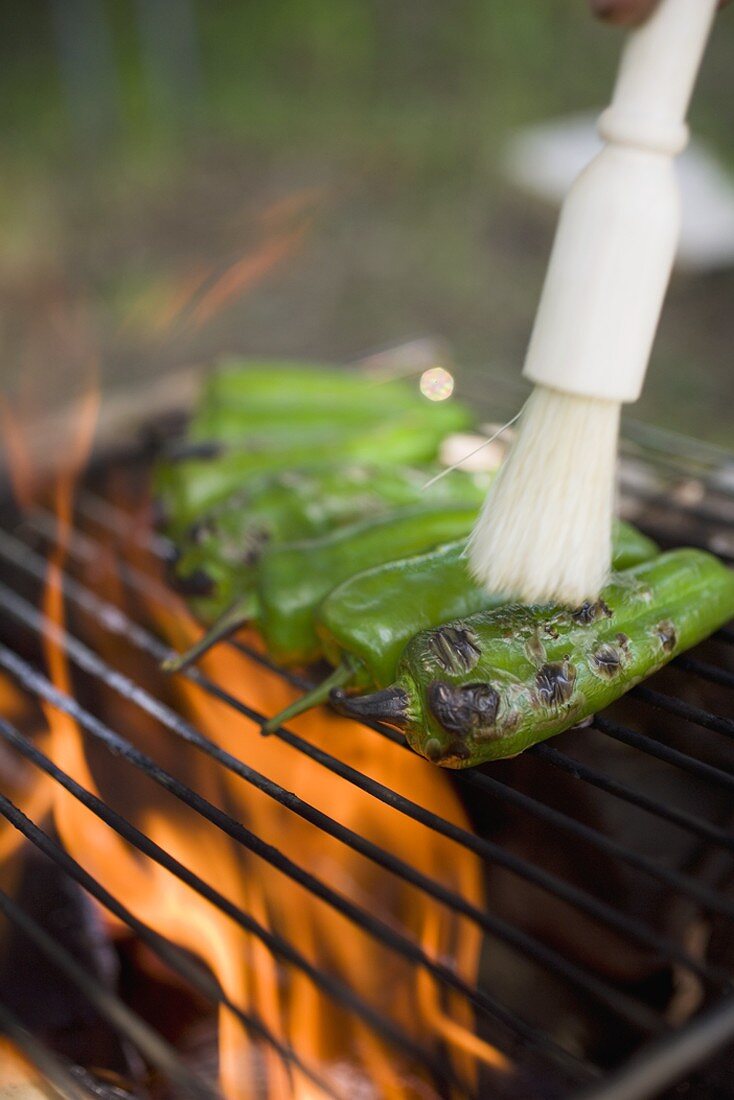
<point x="678" y="725"/>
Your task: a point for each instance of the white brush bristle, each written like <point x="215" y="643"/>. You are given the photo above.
<point x="545" y="531"/>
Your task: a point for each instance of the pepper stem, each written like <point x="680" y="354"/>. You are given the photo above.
<point x="389" y="705"/>
<point x="235" y="616"/>
<point x="341" y="675"/>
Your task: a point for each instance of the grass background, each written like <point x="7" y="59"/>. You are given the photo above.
<point x="311" y="178"/>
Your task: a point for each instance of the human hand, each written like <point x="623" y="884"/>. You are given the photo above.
<point x="626" y="11"/>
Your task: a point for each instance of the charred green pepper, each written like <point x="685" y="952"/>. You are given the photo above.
<point x="294" y="578"/>
<point x="365" y="623"/>
<point x="226" y="544"/>
<point x="489" y="685"/>
<point x="187" y="488"/>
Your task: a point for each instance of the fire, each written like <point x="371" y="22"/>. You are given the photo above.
<point x="20" y="464"/>
<point x="329" y="1038"/>
<point x="306" y="1019"/>
<point x="334" y="1042"/>
<point x="17" y="1075"/>
<point x="34" y="793"/>
<point x="67" y="742"/>
<point x="186" y="302"/>
<point x="241" y="275"/>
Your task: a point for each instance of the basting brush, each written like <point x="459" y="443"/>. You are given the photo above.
<point x="544" y="532"/>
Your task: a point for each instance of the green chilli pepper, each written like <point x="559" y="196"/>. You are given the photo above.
<point x="254" y="432"/>
<point x="278" y="397"/>
<point x="294" y="578"/>
<point x="489" y="685"/>
<point x="291" y="387"/>
<point x="187" y="488"/>
<point x="221" y="550"/>
<point x="365" y="623"/>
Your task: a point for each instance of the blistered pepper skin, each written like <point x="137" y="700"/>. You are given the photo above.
<point x="361" y="620"/>
<point x="292" y="579"/>
<point x="488" y="686"/>
<point x="227" y="543"/>
<point x="187" y="488"/>
<point x="363" y="633"/>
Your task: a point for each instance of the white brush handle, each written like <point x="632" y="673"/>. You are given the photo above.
<point x="619" y="226"/>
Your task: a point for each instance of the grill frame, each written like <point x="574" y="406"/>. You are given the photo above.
<point x="655" y="1063"/>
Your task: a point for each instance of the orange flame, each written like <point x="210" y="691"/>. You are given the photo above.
<point x="294" y="1010"/>
<point x="67" y="743"/>
<point x="33" y="791"/>
<point x="20" y="463"/>
<point x="196" y="297"/>
<point x="17" y="1075"/>
<point x="242" y="274"/>
<point x="338" y="1045"/>
<point x="332" y="1040"/>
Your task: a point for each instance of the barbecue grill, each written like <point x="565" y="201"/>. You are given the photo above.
<point x="606" y="967"/>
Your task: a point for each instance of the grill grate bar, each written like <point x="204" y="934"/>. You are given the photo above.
<point x="654" y="748"/>
<point x="492" y="853"/>
<point x="709" y="772"/>
<point x="137" y="579"/>
<point x="696" y="715"/>
<point x="180" y="963"/>
<point x="682" y="883"/>
<point x="558" y="759"/>
<point x="671" y="449"/>
<point x="85" y="548"/>
<point x="712" y="673"/>
<point x="624" y="1006"/>
<point x="389" y="937"/>
<point x="660" y="498"/>
<point x="114" y="520"/>
<point x="158" y="1052"/>
<point x="683" y="820"/>
<point x="88" y="661"/>
<point x="119" y="621"/>
<point x="275" y="944"/>
<point x="57" y="1076"/>
<point x="665" y="1061"/>
<point x="108" y="517"/>
<point x="87" y="551"/>
<point x="662" y="535"/>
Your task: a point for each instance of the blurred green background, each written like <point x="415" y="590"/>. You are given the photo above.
<point x="315" y="178"/>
